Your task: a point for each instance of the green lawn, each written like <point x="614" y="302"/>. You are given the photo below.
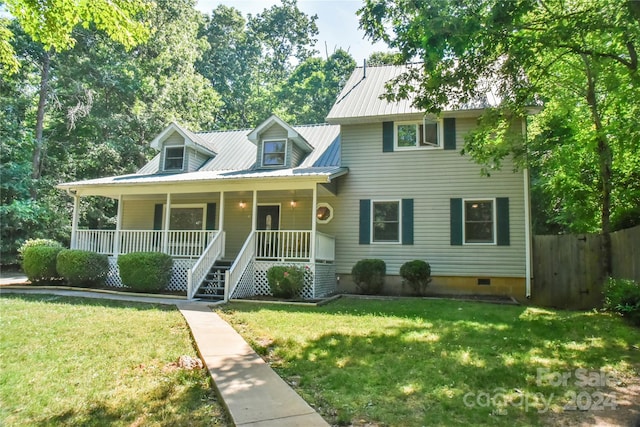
<point x="75" y="361"/>
<point x="438" y="362"/>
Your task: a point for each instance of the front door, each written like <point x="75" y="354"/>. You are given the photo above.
<point x="268" y="217"/>
<point x="269" y="220"/>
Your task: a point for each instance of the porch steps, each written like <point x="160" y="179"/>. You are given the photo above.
<point x="212" y="287"/>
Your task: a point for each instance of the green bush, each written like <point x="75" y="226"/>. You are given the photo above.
<point x="285" y="281"/>
<point x="145" y="271"/>
<point x="417" y="273"/>
<point x="32" y="243"/>
<point x="82" y="268"/>
<point x="39" y="262"/>
<point x="623" y="297"/>
<point x="368" y="275"/>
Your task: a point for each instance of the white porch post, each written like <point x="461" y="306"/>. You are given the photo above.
<point x="165" y="226"/>
<point x="74" y="221"/>
<point x="116" y="239"/>
<point x="254" y="211"/>
<point x="221" y="223"/>
<point x="314" y="208"/>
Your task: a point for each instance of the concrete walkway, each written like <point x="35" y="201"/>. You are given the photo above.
<point x="252" y="392"/>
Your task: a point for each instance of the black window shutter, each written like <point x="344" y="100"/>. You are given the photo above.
<point x="502" y="214"/>
<point x="157" y="217"/>
<point x="407" y="221"/>
<point x="449" y="130"/>
<point x="211" y="216"/>
<point x="456" y="221"/>
<point x="387" y="137"/>
<point x="365" y="222"/>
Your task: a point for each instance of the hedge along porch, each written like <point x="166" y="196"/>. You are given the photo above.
<point x="252" y="223"/>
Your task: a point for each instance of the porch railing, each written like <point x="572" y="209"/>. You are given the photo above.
<point x="325" y="247"/>
<point x="197" y="273"/>
<point x="178" y="243"/>
<point x="283" y="244"/>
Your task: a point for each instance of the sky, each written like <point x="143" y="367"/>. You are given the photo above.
<point x="337" y="23"/>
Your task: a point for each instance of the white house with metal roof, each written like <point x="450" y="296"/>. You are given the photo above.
<point x="380" y="180"/>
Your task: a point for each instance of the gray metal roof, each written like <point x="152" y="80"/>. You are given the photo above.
<point x="360" y="97"/>
<point x="236" y="157"/>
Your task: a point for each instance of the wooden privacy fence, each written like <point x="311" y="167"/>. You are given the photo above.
<point x="567" y="269"/>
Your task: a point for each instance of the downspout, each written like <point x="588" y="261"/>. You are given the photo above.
<point x="527" y="218"/>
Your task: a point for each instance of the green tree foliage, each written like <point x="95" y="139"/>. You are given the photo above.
<point x="312" y="88"/>
<point x="580" y="55"/>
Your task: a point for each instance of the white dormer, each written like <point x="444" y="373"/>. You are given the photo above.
<point x="181" y="150"/>
<point x="279" y="145"/>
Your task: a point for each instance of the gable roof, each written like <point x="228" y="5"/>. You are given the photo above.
<point x="292" y="134"/>
<point x="236" y="157"/>
<point x="360" y="97"/>
<point x="190" y="139"/>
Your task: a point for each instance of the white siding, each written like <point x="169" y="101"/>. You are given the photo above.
<point x="138" y="214"/>
<point x="431" y="178"/>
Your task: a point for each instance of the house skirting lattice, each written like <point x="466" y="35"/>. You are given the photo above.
<point x="319" y="279"/>
<point x="179" y="280"/>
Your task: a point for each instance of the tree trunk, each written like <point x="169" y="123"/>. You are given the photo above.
<point x="39" y="143"/>
<point x="606" y="159"/>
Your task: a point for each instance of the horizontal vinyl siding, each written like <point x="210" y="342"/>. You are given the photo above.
<point x="194" y="160"/>
<point x="138" y="214"/>
<point x="431" y="178"/>
<point x="297" y="155"/>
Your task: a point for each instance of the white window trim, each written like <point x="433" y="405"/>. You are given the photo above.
<point x="187" y="206"/>
<point x="399" y="202"/>
<point x="324" y="205"/>
<point x="184" y="157"/>
<point x="286" y="149"/>
<point x="494" y="219"/>
<point x="440" y="145"/>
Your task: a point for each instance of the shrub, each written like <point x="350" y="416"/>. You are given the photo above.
<point x="623" y="297"/>
<point x="82" y="267"/>
<point x="368" y="275"/>
<point x="417" y="273"/>
<point x="39" y="262"/>
<point x="32" y="243"/>
<point x="285" y="281"/>
<point x="145" y="271"/>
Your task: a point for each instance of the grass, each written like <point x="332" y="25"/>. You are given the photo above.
<point x="74" y="361"/>
<point x="435" y="362"/>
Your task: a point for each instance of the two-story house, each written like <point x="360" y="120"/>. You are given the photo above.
<point x="380" y="180"/>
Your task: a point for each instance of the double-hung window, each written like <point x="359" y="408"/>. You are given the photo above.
<point x="274" y="153"/>
<point x="173" y="158"/>
<point x="479" y="222"/>
<point x="412" y="135"/>
<point x="385" y="225"/>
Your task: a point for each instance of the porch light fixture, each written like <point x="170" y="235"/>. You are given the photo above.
<point x="294" y="204"/>
<point x="242" y="205"/>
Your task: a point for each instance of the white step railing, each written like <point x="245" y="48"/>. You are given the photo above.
<point x="179" y="243"/>
<point x="244" y="258"/>
<point x="283" y="244"/>
<point x="198" y="272"/>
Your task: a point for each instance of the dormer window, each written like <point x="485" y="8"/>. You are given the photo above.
<point x="173" y="158"/>
<point x="274" y="152"/>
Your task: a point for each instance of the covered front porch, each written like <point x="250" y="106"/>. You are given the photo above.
<point x="229" y="237"/>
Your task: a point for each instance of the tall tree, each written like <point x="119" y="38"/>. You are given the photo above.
<point x="51" y="24"/>
<point x="312" y="88"/>
<point x="517" y="49"/>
